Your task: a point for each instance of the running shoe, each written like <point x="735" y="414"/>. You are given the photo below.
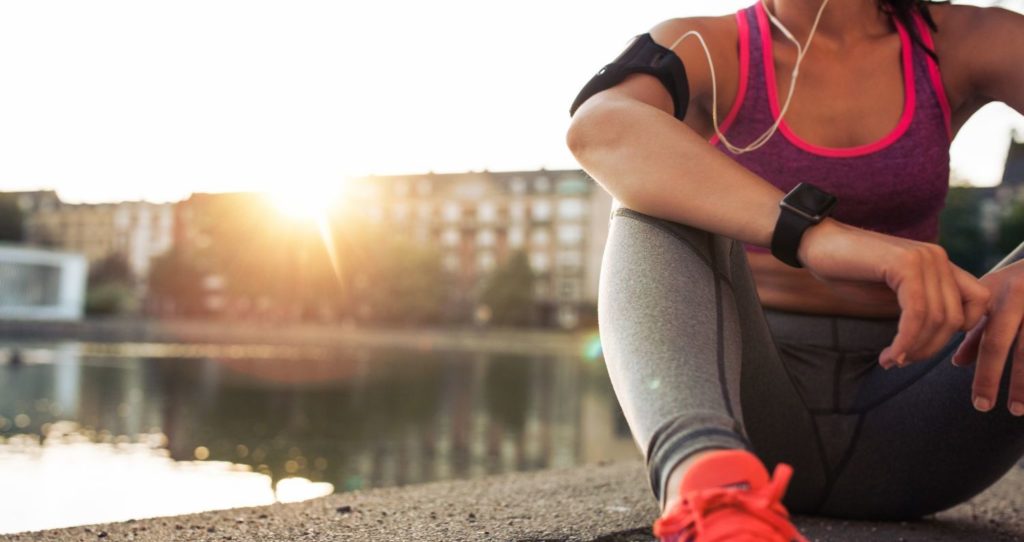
<point x="727" y="496"/>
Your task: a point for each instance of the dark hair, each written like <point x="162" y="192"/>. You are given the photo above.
<point x="903" y="11"/>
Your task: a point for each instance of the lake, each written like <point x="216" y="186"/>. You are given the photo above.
<point x="94" y="432"/>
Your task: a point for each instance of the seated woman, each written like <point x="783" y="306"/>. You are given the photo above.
<point x="853" y="350"/>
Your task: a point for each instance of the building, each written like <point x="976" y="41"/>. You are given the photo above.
<point x="477" y="219"/>
<point x="136" y="230"/>
<point x="38" y="284"/>
<point x="32" y="202"/>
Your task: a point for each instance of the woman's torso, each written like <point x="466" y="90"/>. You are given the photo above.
<point x="869" y="123"/>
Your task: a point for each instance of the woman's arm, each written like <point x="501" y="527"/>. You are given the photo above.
<point x="984" y="48"/>
<point x="628" y="140"/>
<point x="991" y="50"/>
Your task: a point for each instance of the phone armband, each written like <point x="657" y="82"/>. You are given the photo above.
<point x="642" y="55"/>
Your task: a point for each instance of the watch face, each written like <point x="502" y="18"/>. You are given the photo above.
<point x="809" y="201"/>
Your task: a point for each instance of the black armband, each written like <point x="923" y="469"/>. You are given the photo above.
<point x="642" y="55"/>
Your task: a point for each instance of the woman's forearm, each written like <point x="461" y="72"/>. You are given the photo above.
<point x="652" y="163"/>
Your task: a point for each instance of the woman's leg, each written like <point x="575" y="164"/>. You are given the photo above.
<point x="919" y="445"/>
<point x="679" y="317"/>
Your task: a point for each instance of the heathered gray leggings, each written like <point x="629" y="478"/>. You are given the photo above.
<point x="697" y="363"/>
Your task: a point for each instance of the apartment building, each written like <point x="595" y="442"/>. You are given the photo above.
<point x="137" y="230"/>
<point x="477" y="219"/>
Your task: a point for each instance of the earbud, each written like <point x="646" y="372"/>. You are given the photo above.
<point x="801" y="50"/>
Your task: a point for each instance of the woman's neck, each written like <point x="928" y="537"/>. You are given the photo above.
<point x="843" y="21"/>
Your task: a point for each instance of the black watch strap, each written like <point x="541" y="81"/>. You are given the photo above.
<point x="804" y="206"/>
<point x="789" y="230"/>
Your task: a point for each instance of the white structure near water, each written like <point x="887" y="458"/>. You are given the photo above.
<point x="39" y="284"/>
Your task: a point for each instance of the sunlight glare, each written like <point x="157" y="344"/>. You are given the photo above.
<point x="305" y="201"/>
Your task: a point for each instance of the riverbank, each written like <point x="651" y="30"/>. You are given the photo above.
<point x="505" y="340"/>
<point x="605" y="503"/>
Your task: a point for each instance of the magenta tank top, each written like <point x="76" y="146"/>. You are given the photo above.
<point x="896" y="185"/>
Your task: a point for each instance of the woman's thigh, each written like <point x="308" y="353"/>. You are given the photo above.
<point x="920" y="445"/>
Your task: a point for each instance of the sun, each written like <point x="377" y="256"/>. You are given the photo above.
<point x="305" y="201"/>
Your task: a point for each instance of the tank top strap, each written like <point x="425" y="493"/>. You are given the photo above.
<point x="931" y="78"/>
<point x="751" y="105"/>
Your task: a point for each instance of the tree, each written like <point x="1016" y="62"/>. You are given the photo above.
<point x="508" y="292"/>
<point x="396" y="281"/>
<point x="175" y="280"/>
<point x="12" y="226"/>
<point x="960" y="230"/>
<point x="111" y="287"/>
<point x="112" y="269"/>
<point x="1011" y="229"/>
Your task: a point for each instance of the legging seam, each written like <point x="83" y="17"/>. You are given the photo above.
<point x="833" y="475"/>
<point x="814" y="421"/>
<point x="720" y="332"/>
<point x="651" y="221"/>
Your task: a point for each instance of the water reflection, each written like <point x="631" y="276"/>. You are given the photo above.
<point x="350" y="418"/>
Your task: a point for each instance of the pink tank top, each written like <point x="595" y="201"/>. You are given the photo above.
<point x="896" y="185"/>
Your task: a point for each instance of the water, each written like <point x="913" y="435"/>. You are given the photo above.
<point x="106" y="432"/>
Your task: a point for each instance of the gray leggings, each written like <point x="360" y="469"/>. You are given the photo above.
<point x="698" y="364"/>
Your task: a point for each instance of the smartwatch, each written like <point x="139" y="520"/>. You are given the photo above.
<point x="803" y="207"/>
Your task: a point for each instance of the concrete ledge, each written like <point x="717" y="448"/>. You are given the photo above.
<point x="609" y="503"/>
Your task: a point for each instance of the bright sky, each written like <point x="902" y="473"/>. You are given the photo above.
<point x="127" y="99"/>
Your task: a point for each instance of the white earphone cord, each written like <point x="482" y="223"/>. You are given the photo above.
<point x="801" y="51"/>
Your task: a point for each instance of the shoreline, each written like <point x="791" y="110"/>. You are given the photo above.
<point x="215" y="332"/>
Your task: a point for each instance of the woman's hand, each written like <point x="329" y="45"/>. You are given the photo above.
<point x="936" y="297"/>
<point x="988" y="343"/>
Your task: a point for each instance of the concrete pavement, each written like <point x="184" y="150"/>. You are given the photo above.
<point x="601" y="503"/>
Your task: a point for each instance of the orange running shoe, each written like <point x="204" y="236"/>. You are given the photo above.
<point x="727" y="496"/>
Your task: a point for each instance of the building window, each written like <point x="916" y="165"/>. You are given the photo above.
<point x="450" y="237"/>
<point x="570" y="234"/>
<point x="570" y="209"/>
<point x="401" y="188"/>
<point x="568" y="290"/>
<point x="452" y="212"/>
<point x="570" y="258"/>
<point x="518" y="185"/>
<point x="486" y="261"/>
<point x="423" y="187"/>
<point x="540" y="237"/>
<point x="517" y="211"/>
<point x="451" y="263"/>
<point x="425" y="211"/>
<point x="572" y="185"/>
<point x="487" y="212"/>
<point x="516" y="237"/>
<point x="375" y="213"/>
<point x="485" y="238"/>
<point x="541" y="210"/>
<point x="542" y="184"/>
<point x="539" y="261"/>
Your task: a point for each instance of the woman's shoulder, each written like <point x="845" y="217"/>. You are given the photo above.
<point x="960" y="24"/>
<point x="720" y="29"/>
<point x="978" y="47"/>
<point x="720" y="34"/>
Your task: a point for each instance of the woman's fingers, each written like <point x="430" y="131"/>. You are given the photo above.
<point x="967" y="352"/>
<point x="1016" y="402"/>
<point x="932" y="304"/>
<point x="908" y="282"/>
<point x="948" y="316"/>
<point x="1003" y="325"/>
<point x="974" y="295"/>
